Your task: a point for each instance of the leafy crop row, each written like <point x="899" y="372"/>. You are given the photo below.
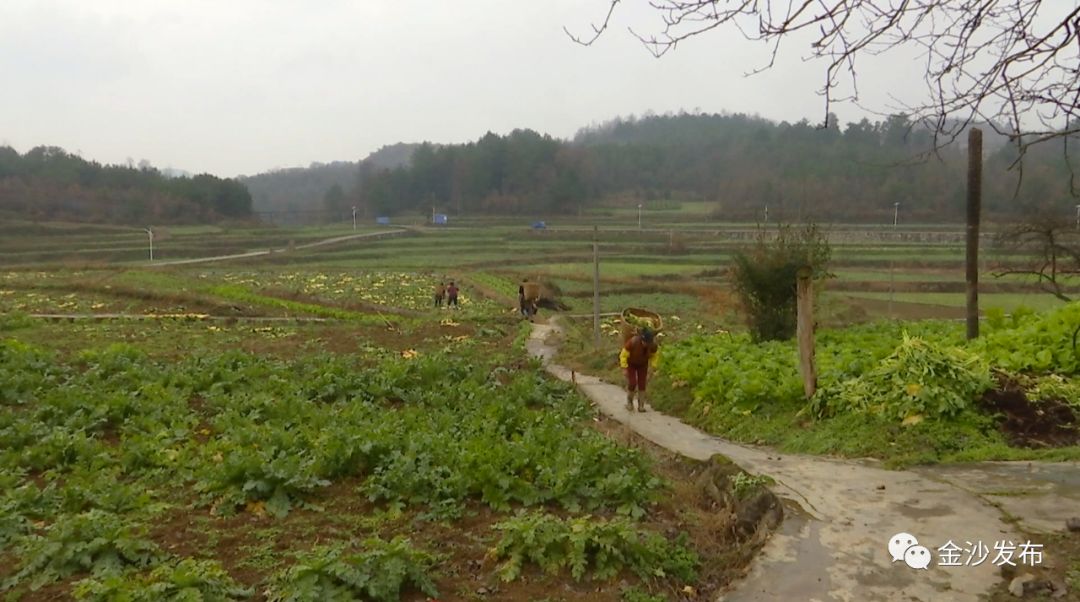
<point x="906" y="372"/>
<point x="1041" y="343"/>
<point x="590" y="546"/>
<point x="95" y="448"/>
<point x="379" y="573"/>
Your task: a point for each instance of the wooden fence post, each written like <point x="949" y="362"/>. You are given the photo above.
<point x="805" y="329"/>
<point x="974" y="203"/>
<point x="596" y="287"/>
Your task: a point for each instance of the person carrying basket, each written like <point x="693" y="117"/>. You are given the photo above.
<point x="637" y="356"/>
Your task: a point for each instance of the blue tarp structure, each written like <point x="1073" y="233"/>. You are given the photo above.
<point x="539" y="225"/>
<point x="440" y="219"/>
<point x="382" y="221"/>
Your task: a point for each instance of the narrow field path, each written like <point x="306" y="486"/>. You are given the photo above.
<point x="841" y="514"/>
<point x="181" y="317"/>
<point x="310" y="245"/>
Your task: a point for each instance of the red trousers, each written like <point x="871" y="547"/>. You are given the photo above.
<point x="636" y="377"/>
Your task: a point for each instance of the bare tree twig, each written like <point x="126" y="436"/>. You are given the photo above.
<point x="1011" y="64"/>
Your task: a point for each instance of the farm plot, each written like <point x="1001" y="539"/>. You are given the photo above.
<point x="76" y="292"/>
<point x="408" y="290"/>
<point x="907" y="392"/>
<point x="1007" y="301"/>
<point x="333" y="463"/>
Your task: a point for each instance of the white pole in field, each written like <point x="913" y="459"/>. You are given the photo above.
<point x="766" y="214"/>
<point x="895" y="214"/>
<point x="639" y="216"/>
<point x="354" y="218"/>
<point x="150" y="233"/>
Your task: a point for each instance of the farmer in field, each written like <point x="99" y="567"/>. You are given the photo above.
<point x="526" y="301"/>
<point x="440" y="292"/>
<point x="451" y="295"/>
<point x="637" y="355"/>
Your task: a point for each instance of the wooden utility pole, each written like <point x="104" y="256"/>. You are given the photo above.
<point x="974" y="204"/>
<point x="805" y="329"/>
<point x="596" y="287"/>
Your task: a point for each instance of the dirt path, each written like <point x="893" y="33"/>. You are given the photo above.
<point x="181" y="317"/>
<point x="310" y="245"/>
<point x="841" y="514"/>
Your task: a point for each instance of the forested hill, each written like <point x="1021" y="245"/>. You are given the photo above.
<point x="48" y="183"/>
<point x="321" y="186"/>
<point x="737" y="162"/>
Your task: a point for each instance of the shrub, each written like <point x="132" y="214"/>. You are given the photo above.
<point x="764" y="278"/>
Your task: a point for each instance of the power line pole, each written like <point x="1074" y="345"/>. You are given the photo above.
<point x="596" y="287"/>
<point x="892" y="262"/>
<point x="974" y="204"/>
<point x="150" y="233"/>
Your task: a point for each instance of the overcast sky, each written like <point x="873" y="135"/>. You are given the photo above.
<point x="241" y="86"/>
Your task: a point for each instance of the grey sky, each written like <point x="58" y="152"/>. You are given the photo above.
<point x="242" y="86"/>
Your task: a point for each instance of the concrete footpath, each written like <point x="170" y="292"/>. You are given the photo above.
<point x="841" y="514"/>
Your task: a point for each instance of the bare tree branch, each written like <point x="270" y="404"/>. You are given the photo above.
<point x="1013" y="64"/>
<point x="1052" y="250"/>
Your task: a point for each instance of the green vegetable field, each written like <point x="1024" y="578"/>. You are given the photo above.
<point x="307" y="426"/>
<point x="907" y="392"/>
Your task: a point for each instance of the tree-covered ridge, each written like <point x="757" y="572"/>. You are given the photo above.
<point x="320" y="186"/>
<point x="739" y="162"/>
<point x="48" y="183"/>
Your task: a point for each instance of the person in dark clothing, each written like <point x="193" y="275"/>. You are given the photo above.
<point x="451" y="295"/>
<point x="527" y="307"/>
<point x="637" y="355"/>
<point x="440" y="292"/>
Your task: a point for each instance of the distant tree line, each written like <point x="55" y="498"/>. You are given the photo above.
<point x="295" y="194"/>
<point x="523" y="172"/>
<point x="738" y="162"/>
<point x="48" y="183"/>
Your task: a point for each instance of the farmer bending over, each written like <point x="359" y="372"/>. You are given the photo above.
<point x="637" y="354"/>
<point x="526" y="305"/>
